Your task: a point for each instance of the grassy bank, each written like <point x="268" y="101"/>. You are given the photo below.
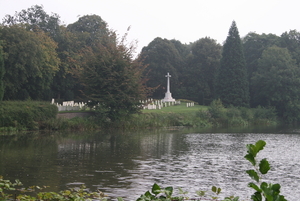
<point x="31" y="115"/>
<point x="215" y="115"/>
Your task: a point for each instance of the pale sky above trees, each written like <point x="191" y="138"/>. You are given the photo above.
<point x="186" y="21"/>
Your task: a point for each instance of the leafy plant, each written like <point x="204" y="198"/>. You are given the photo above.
<point x="78" y="194"/>
<point x="158" y="193"/>
<point x="271" y="192"/>
<point x="7" y="185"/>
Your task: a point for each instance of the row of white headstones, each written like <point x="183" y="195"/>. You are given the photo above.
<point x="149" y="104"/>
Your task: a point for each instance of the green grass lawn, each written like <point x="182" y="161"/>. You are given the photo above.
<point x="177" y="109"/>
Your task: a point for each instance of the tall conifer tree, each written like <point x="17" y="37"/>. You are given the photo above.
<point x="232" y="84"/>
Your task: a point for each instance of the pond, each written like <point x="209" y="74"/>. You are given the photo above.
<point x="127" y="164"/>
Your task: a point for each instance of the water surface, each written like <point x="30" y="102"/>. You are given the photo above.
<point x="126" y="164"/>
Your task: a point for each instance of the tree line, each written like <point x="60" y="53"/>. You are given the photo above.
<point x="41" y="58"/>
<point x="258" y="70"/>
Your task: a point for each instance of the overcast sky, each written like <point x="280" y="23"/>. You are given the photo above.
<point x="186" y="21"/>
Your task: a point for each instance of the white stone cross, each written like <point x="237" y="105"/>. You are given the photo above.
<point x="168" y="83"/>
<point x="168" y="95"/>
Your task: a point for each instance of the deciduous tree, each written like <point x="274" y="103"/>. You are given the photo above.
<point x="2" y="72"/>
<point x="30" y="64"/>
<point x="112" y="80"/>
<point x="161" y="57"/>
<point x="202" y="69"/>
<point x="291" y="41"/>
<point x="277" y="83"/>
<point x="36" y="18"/>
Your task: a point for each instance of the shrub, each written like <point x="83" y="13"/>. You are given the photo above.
<point x="25" y="114"/>
<point x="266" y="115"/>
<point x="216" y="109"/>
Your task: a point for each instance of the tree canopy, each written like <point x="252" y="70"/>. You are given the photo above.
<point x="43" y="59"/>
<point x="112" y="81"/>
<point x="2" y="72"/>
<point x="203" y="65"/>
<point x="277" y="82"/>
<point x="30" y="64"/>
<point x="162" y="57"/>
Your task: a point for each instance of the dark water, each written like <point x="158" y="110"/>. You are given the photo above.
<point x="127" y="164"/>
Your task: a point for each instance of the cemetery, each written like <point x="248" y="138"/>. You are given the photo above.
<point x="149" y="104"/>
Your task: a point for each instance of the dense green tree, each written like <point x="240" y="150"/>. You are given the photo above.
<point x="36" y="18"/>
<point x="254" y="44"/>
<point x="202" y="66"/>
<point x="88" y="31"/>
<point x="2" y="72"/>
<point x="112" y="80"/>
<point x="162" y="57"/>
<point x="91" y="30"/>
<point x="232" y="82"/>
<point x="30" y="64"/>
<point x="291" y="41"/>
<point x="64" y="83"/>
<point x="277" y="82"/>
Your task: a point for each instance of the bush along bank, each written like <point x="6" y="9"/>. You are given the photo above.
<point x="216" y="115"/>
<point x="25" y="115"/>
<point x="263" y="191"/>
<point x="31" y="115"/>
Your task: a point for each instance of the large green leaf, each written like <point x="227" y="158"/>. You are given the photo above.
<point x="254" y="186"/>
<point x="264" y="166"/>
<point x="155" y="189"/>
<point x="169" y="191"/>
<point x="148" y="194"/>
<point x="250" y="158"/>
<point x="254" y="149"/>
<point x="276" y="188"/>
<point x="253" y="175"/>
<point x="214" y="189"/>
<point x="256" y="196"/>
<point x="251" y="149"/>
<point x="260" y="145"/>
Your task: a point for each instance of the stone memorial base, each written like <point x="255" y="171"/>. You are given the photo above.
<point x="168" y="97"/>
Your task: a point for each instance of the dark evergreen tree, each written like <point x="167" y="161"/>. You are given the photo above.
<point x="232" y="84"/>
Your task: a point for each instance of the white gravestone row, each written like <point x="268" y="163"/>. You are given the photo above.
<point x="69" y="105"/>
<point x="151" y="104"/>
<point x="190" y="104"/>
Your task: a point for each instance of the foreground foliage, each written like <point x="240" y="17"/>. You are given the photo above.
<point x="263" y="191"/>
<point x="79" y="194"/>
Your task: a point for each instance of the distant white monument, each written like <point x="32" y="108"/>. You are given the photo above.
<point x="168" y="95"/>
